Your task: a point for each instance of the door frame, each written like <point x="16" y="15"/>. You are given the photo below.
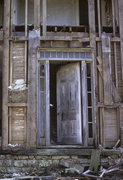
<point x="84" y="60"/>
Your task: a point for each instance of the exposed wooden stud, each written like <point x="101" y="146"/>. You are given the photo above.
<point x="10" y="64"/>
<point x="26" y="16"/>
<point x="37" y="14"/>
<point x="101" y="112"/>
<point x="99" y="17"/>
<point x="10" y="116"/>
<point x="91" y="10"/>
<point x="11" y="21"/>
<point x="118" y="120"/>
<point x="26" y="46"/>
<point x="44" y="9"/>
<point x="100" y="80"/>
<point x="113" y="17"/>
<point x="106" y="53"/>
<point x="5" y="74"/>
<point x="115" y="63"/>
<point x="115" y="94"/>
<point x="34" y="42"/>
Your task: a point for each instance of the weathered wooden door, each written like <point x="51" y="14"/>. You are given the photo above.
<point x="69" y="128"/>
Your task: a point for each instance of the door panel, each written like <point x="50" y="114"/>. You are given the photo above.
<point x="69" y="128"/>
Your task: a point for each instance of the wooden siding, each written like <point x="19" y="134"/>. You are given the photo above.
<point x="17" y="61"/>
<point x="116" y="66"/>
<point x="111" y="127"/>
<point x="17" y="125"/>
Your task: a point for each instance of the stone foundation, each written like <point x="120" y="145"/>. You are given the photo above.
<point x="47" y="163"/>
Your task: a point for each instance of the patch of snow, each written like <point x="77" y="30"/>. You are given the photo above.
<point x="14" y="145"/>
<point x="18" y="174"/>
<point x="18" y="85"/>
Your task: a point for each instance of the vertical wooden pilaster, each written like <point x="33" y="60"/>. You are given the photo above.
<point x="37" y="14"/>
<point x="5" y="74"/>
<point x="44" y="8"/>
<point x="34" y="43"/>
<point x="92" y="31"/>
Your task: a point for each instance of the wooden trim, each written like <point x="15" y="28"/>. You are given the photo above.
<point x="68" y="59"/>
<point x="84" y="103"/>
<point x="47" y="85"/>
<point x="5" y="75"/>
<point x="113" y="39"/>
<point x="64" y="50"/>
<point x="94" y="110"/>
<point x="18" y="38"/>
<point x="17" y="104"/>
<point x="65" y="37"/>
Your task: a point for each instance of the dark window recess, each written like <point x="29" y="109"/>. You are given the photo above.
<point x="90" y="130"/>
<point x="96" y="15"/>
<point x="83" y="12"/>
<point x="1" y="13"/>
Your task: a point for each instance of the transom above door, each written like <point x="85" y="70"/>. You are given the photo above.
<point x="65" y="97"/>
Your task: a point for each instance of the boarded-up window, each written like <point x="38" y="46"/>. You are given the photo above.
<point x="17" y="125"/>
<point x="17" y="61"/>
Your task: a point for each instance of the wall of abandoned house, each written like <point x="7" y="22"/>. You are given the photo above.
<point x="105" y="39"/>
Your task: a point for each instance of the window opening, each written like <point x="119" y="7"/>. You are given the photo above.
<point x="67" y="16"/>
<point x="1" y="13"/>
<point x="83" y="12"/>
